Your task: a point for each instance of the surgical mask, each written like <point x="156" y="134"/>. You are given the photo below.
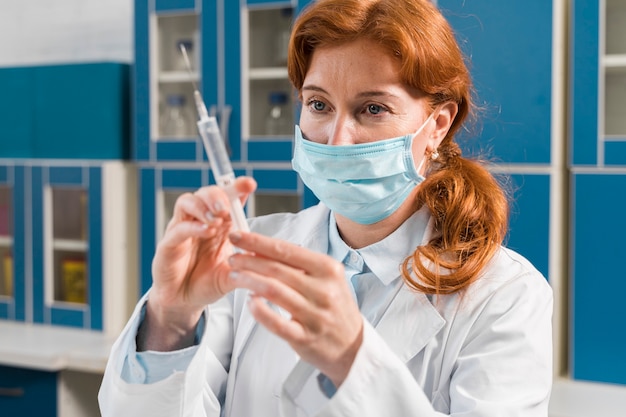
<point x="365" y="182"/>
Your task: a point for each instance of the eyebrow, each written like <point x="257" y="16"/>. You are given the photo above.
<point x="364" y="94"/>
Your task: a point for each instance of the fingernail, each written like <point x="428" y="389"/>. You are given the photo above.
<point x="234" y="237"/>
<point x="203" y="226"/>
<point x="234" y="275"/>
<point x="209" y="216"/>
<point x="218" y="206"/>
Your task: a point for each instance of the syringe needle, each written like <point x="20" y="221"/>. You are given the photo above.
<point x="183" y="50"/>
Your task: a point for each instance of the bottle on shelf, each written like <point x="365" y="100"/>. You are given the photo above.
<point x="282" y="36"/>
<point x="6" y="285"/>
<point x="175" y="122"/>
<point x="74" y="276"/>
<point x="277" y="122"/>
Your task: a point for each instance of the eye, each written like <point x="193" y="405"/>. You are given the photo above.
<point x="317" y="105"/>
<point x="375" y="109"/>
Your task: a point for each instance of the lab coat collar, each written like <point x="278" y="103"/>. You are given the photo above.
<point x="408" y="337"/>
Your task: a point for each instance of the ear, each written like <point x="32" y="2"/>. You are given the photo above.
<point x="443" y="120"/>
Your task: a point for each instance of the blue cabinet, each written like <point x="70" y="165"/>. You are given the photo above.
<point x="69" y="111"/>
<point x="25" y="392"/>
<point x="67" y="245"/>
<point x="598" y="309"/>
<point x="66" y="252"/>
<point x="65" y="187"/>
<point x="511" y="66"/>
<point x="597" y="162"/>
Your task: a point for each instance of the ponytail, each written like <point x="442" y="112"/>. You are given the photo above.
<point x="470" y="213"/>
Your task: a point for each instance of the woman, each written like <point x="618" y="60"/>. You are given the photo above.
<point x="392" y="297"/>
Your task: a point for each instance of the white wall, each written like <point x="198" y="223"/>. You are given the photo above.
<point x="36" y="32"/>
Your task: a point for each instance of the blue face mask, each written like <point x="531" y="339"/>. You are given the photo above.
<point x="365" y="182"/>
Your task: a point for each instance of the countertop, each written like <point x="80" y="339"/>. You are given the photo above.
<point x="53" y="348"/>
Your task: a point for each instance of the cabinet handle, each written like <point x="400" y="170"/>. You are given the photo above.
<point x="11" y="392"/>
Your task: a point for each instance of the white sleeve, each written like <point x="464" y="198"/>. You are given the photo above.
<point x="196" y="392"/>
<point x="148" y="367"/>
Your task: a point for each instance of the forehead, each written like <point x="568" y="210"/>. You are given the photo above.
<point x="360" y="63"/>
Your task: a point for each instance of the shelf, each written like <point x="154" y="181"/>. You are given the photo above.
<point x="179" y="77"/>
<point x="70" y="245"/>
<point x="614" y="63"/>
<point x="615" y="138"/>
<point x="268" y="73"/>
<point x="6" y="241"/>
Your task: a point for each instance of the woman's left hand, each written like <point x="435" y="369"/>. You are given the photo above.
<point x="325" y="327"/>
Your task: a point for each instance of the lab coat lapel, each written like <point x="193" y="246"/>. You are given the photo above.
<point x="409" y="323"/>
<point x="411" y="320"/>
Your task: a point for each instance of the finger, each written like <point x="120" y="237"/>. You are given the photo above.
<point x="190" y="206"/>
<point x="177" y="233"/>
<point x="312" y="263"/>
<point x="214" y="200"/>
<point x="293" y="277"/>
<point x="290" y="330"/>
<point x="274" y="291"/>
<point x="217" y="200"/>
<point x="244" y="186"/>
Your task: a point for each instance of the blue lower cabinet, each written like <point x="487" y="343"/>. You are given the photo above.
<point x="598" y="310"/>
<point x="26" y="392"/>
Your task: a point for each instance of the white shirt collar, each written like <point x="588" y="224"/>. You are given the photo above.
<point x="383" y="258"/>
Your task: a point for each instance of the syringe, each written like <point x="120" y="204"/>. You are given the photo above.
<point x="218" y="157"/>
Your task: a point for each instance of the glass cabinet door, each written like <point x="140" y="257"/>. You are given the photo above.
<point x="6" y="242"/>
<point x="614" y="62"/>
<point x="268" y="96"/>
<point x="69" y="239"/>
<point x="173" y="110"/>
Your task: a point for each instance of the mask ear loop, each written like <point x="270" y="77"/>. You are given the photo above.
<point x="417" y="132"/>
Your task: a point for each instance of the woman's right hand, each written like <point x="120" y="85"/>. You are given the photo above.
<point x="190" y="268"/>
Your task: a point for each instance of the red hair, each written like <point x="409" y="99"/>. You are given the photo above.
<point x="469" y="208"/>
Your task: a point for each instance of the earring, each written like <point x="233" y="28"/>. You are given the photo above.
<point x="434" y="155"/>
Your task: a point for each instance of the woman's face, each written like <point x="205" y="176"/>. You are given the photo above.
<point x="353" y="94"/>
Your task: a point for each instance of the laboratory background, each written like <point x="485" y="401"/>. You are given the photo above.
<point x="98" y="138"/>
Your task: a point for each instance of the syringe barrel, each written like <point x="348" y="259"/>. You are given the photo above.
<point x="215" y="148"/>
<point x="222" y="169"/>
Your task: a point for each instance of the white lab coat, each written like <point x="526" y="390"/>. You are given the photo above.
<point x="485" y="353"/>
